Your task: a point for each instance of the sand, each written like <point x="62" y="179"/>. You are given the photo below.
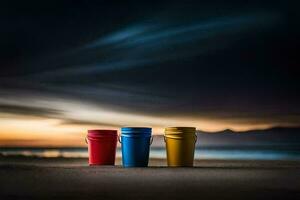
<point x="32" y="178"/>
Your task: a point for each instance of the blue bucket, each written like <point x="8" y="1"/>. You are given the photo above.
<point x="135" y="143"/>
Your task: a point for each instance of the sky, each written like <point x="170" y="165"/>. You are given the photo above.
<point x="68" y="67"/>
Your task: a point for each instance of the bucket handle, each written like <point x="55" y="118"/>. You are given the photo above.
<point x="151" y="140"/>
<point x="86" y="140"/>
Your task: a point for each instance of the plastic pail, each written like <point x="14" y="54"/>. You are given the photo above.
<point x="135" y="144"/>
<point x="180" y="146"/>
<point x="102" y="145"/>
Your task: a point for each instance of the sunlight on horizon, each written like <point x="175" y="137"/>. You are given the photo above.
<point x="22" y="131"/>
<point x="69" y="124"/>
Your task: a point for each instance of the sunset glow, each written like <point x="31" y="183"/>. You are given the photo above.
<point x="70" y="129"/>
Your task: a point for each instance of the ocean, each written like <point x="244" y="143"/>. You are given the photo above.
<point x="278" y="152"/>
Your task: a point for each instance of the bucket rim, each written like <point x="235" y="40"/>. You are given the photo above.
<point x="140" y="128"/>
<point x="114" y="137"/>
<point x="141" y="135"/>
<point x="181" y="128"/>
<point x="94" y="133"/>
<point x="136" y="130"/>
<point x="180" y="137"/>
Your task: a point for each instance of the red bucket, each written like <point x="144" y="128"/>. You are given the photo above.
<point x="102" y="145"/>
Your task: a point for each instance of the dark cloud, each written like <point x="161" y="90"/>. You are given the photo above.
<point x="29" y="110"/>
<point x="230" y="61"/>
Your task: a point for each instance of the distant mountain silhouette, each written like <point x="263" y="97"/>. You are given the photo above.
<point x="280" y="136"/>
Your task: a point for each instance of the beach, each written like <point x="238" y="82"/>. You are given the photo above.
<point x="60" y="178"/>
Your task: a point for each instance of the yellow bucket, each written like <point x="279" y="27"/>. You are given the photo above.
<point x="180" y="146"/>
